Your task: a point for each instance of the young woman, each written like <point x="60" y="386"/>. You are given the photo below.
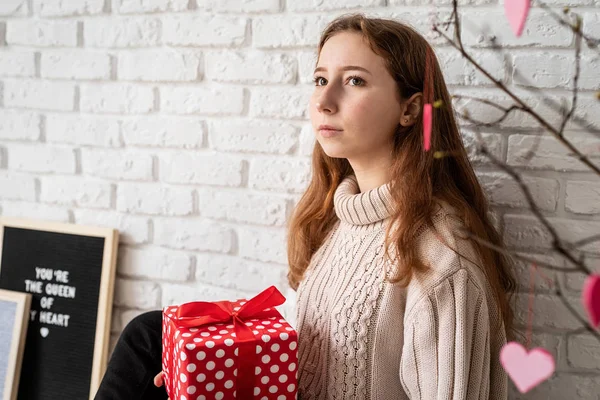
<point x="394" y="300"/>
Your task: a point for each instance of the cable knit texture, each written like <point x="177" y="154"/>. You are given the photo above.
<point x="364" y="338"/>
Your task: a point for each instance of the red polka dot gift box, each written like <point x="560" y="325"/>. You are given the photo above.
<point x="240" y="349"/>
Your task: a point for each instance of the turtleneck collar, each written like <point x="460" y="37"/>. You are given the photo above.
<point x="357" y="208"/>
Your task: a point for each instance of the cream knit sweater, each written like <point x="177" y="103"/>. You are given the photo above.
<point x="362" y="338"/>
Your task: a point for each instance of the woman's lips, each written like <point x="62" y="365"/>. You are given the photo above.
<point x="329" y="132"/>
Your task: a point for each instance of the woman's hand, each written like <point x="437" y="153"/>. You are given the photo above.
<point x="158" y="380"/>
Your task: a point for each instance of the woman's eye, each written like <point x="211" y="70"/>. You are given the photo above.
<point x="317" y="79"/>
<point x="358" y="78"/>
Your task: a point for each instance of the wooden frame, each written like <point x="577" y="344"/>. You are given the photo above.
<point x="105" y="300"/>
<point x="17" y="344"/>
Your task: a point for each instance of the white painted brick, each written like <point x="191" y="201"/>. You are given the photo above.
<point x="75" y="191"/>
<point x="128" y="165"/>
<point x="236" y="273"/>
<point x="523" y="270"/>
<point x="136" y="294"/>
<point x="525" y="231"/>
<point x="203" y="30"/>
<point x="115" y="324"/>
<point x="119" y="32"/>
<point x="75" y="64"/>
<point x="44" y="95"/>
<point x="220" y="100"/>
<point x="255" y="137"/>
<point x="493" y="62"/>
<point x="173" y="294"/>
<point x="112" y="343"/>
<point x="41" y="158"/>
<point x="296" y="6"/>
<point x="160" y="65"/>
<point x="578" y="3"/>
<point x="61" y="8"/>
<point x="292" y="30"/>
<point x="549" y="311"/>
<point x="152" y="198"/>
<point x="439" y="2"/>
<point x="307" y="62"/>
<point x="543" y="70"/>
<point x="583" y="351"/>
<point x="582" y="197"/>
<point x="586" y="113"/>
<point x="288" y="309"/>
<point x="263" y="244"/>
<point x="561" y="386"/>
<point x="253" y="67"/>
<point x="549" y="153"/>
<point x="480" y="111"/>
<point x="164" y="131"/>
<point x="503" y="190"/>
<point x="144" y="6"/>
<point x="153" y="263"/>
<point x="116" y="98"/>
<point x="85" y="130"/>
<point x="242" y="207"/>
<point x="14" y="8"/>
<point x="235" y="6"/>
<point x="204" y="168"/>
<point x="14" y="186"/>
<point x="37" y="211"/>
<point x="307" y="141"/>
<point x="133" y="229"/>
<point x="279" y="174"/>
<point x="193" y="234"/>
<point x="43" y="33"/>
<point x="491" y="141"/>
<point x="19" y="125"/>
<point x="421" y="19"/>
<point x="589" y="76"/>
<point x="591" y="23"/>
<point x="574" y="281"/>
<point x="458" y="71"/>
<point x="17" y="63"/>
<point x="289" y="103"/>
<point x="541" y="29"/>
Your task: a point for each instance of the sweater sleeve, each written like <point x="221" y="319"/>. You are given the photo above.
<point x="446" y="352"/>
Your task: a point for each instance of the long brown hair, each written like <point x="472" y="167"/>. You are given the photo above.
<point x="450" y="178"/>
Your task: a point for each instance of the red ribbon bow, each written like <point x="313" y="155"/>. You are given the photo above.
<point x="200" y="313"/>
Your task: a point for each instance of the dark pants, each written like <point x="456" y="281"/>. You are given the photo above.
<point x="135" y="361"/>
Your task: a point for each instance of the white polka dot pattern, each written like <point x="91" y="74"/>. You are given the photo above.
<point x="202" y="362"/>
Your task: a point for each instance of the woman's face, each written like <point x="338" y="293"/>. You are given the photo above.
<point x="363" y="104"/>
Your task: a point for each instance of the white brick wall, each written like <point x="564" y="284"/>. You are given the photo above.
<point x="184" y="124"/>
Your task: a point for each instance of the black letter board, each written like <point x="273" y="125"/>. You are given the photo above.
<point x="69" y="271"/>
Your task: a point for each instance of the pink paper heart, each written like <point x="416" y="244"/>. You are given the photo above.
<point x="526" y="369"/>
<point x="516" y="12"/>
<point x="590" y="296"/>
<point x="427" y="116"/>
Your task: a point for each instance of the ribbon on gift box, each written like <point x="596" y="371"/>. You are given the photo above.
<point x="200" y="313"/>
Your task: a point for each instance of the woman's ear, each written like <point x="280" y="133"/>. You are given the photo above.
<point x="411" y="109"/>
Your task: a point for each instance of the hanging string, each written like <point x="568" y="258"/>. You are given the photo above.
<point x="428" y="98"/>
<point x="428" y="80"/>
<point x="529" y="330"/>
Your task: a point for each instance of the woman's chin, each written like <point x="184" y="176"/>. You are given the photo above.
<point x="334" y="151"/>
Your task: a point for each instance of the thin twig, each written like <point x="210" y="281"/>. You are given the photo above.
<point x="459" y="46"/>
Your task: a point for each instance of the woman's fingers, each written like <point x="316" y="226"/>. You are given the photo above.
<point x="158" y="379"/>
